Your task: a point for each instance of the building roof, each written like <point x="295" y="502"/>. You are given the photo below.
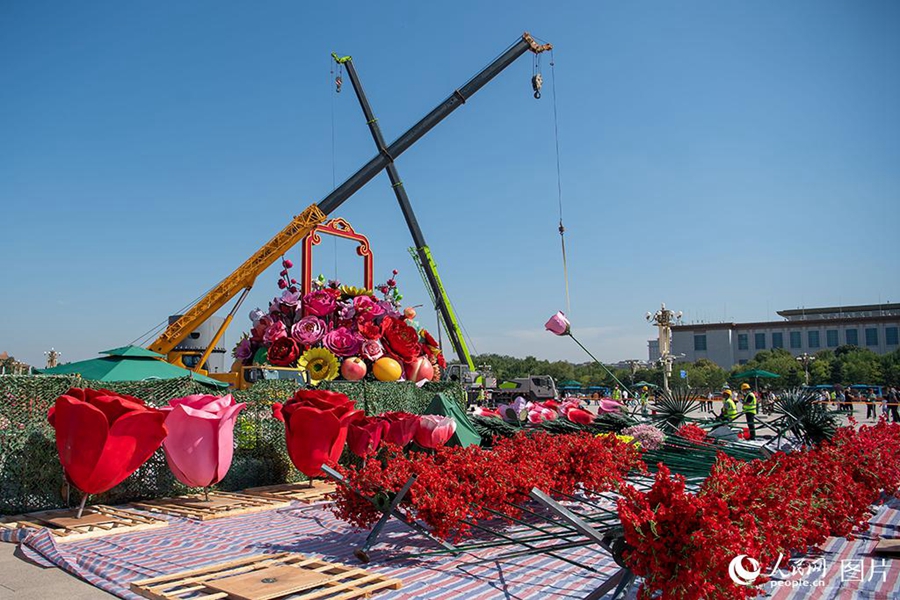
<point x="788" y="324"/>
<point x="839" y="310"/>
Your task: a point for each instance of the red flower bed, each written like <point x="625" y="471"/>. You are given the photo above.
<point x="456" y="484"/>
<point x="682" y="543"/>
<point x="693" y="433"/>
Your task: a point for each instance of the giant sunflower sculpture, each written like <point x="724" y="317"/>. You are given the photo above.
<point x="320" y="363"/>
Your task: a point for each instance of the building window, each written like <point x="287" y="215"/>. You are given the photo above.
<point x="778" y="340"/>
<point x="743" y="344"/>
<point x="890" y="336"/>
<point x="831" y="338"/>
<point x="851" y="336"/>
<point x="700" y="343"/>
<point x="871" y="336"/>
<point x="795" y="339"/>
<point x="812" y="338"/>
<point x="759" y="341"/>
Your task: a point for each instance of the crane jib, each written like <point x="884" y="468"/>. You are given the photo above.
<point x="426" y="124"/>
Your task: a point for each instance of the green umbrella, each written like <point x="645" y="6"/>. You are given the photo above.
<point x="756" y="374"/>
<point x="129" y="363"/>
<point x="643" y="383"/>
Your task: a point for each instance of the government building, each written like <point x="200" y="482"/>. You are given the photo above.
<point x="802" y="330"/>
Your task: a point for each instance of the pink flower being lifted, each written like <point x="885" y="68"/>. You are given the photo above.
<point x="558" y="324"/>
<point x="200" y="444"/>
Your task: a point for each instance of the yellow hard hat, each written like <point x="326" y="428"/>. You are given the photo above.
<point x="727" y="393"/>
<point x="644" y="388"/>
<point x="745" y="386"/>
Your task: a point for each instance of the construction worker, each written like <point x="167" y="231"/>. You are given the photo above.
<point x="750" y="408"/>
<point x="617" y="393"/>
<point x="729" y="409"/>
<point x="645" y="400"/>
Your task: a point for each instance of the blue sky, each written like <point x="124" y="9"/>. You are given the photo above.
<point x="728" y="158"/>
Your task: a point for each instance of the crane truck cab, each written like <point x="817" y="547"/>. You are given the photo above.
<point x="535" y="388"/>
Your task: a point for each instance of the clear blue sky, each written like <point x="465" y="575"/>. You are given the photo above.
<point x="728" y="158"/>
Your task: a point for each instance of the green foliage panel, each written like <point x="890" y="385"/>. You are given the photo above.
<point x="31" y="477"/>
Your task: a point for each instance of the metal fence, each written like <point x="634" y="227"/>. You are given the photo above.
<point x="31" y="477"/>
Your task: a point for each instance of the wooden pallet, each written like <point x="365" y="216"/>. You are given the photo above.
<point x="267" y="577"/>
<point x="219" y="505"/>
<point x="888" y="547"/>
<point x="301" y="492"/>
<point x="97" y="521"/>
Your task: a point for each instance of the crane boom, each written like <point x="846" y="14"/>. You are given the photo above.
<point x="302" y="224"/>
<point x="423" y="255"/>
<point x="242" y="277"/>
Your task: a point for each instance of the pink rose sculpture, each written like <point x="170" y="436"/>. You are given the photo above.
<point x="558" y="324"/>
<point x="308" y="330"/>
<point x="200" y="443"/>
<point x="342" y="341"/>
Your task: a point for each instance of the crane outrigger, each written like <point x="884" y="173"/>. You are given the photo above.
<point x="241" y="280"/>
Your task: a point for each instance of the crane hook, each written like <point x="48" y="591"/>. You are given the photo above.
<point x="536" y="82"/>
<point x="338" y="82"/>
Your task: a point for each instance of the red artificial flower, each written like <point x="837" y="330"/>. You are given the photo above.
<point x="692" y="432"/>
<point x="315" y="423"/>
<point x="368" y="329"/>
<point x="399" y="339"/>
<point x="428" y="339"/>
<point x="364" y="435"/>
<point x="103" y="437"/>
<point x="284" y="352"/>
<point x="401" y="427"/>
<point x="434" y="431"/>
<point x="580" y="416"/>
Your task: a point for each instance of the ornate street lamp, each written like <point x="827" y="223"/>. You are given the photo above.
<point x="804" y="359"/>
<point x="664" y="319"/>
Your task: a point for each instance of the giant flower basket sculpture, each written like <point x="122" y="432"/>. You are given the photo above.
<point x="103" y="437"/>
<point x="315" y="424"/>
<point x="200" y="444"/>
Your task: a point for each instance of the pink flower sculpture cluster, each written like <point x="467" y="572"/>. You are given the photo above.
<point x="335" y="330"/>
<point x="521" y="411"/>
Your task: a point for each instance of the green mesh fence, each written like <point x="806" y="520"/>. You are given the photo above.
<point x="31" y="477"/>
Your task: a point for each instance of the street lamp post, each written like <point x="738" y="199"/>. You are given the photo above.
<point x="663" y="319"/>
<point x="52" y="358"/>
<point x="804" y="359"/>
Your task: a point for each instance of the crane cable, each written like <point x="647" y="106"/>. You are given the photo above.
<point x="562" y="229"/>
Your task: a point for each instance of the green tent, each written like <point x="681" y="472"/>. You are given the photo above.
<point x="756" y="374"/>
<point x="465" y="434"/>
<point x="570" y="385"/>
<point x="129" y="363"/>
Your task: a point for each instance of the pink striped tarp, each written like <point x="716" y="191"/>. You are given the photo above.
<point x="111" y="563"/>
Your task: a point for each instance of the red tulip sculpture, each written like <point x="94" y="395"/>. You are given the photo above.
<point x="401" y="427"/>
<point x="434" y="431"/>
<point x="315" y="423"/>
<point x="200" y="444"/>
<point x="364" y="435"/>
<point x="103" y="437"/>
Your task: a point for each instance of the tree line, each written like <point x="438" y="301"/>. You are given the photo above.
<point x="845" y="365"/>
